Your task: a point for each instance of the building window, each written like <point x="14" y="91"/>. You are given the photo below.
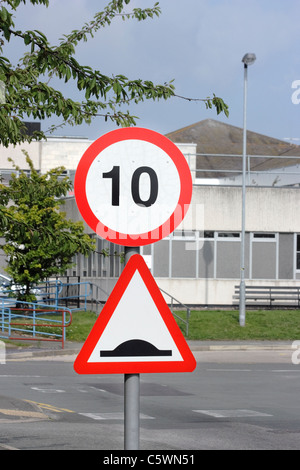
<point x="298" y="253"/>
<point x="232" y="235"/>
<point x="208" y="234"/>
<point x="227" y="255"/>
<point x="264" y="236"/>
<point x="183" y="235"/>
<point x="264" y="255"/>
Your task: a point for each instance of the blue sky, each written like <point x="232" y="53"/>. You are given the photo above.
<point x="200" y="44"/>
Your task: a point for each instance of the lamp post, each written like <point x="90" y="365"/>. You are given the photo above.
<point x="248" y="59"/>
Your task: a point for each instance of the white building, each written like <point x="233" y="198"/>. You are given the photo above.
<point x="199" y="264"/>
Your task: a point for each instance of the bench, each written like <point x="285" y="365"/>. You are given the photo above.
<point x="269" y="296"/>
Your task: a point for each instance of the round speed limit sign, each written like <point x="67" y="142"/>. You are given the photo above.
<point x="133" y="186"/>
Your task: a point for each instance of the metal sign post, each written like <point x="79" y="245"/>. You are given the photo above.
<point x="133" y="187"/>
<point x="131" y="395"/>
<point x="131" y="411"/>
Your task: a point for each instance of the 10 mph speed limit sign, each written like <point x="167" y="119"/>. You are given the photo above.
<point x="133" y="186"/>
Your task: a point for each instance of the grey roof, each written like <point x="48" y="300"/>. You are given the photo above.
<point x="215" y="137"/>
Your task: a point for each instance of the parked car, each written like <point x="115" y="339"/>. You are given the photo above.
<point x="8" y="289"/>
<point x="5" y="283"/>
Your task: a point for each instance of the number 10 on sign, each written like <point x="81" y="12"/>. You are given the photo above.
<point x="114" y="174"/>
<point x="130" y="183"/>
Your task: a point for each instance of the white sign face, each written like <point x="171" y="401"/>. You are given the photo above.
<point x="119" y="190"/>
<point x="136" y="331"/>
<point x="133" y="186"/>
<point x="136" y="320"/>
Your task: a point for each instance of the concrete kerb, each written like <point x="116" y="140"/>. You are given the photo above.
<point x="72" y="348"/>
<point x="239" y="345"/>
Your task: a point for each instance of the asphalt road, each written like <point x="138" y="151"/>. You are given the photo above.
<point x="235" y="399"/>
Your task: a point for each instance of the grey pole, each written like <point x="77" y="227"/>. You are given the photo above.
<point x="248" y="59"/>
<point x="242" y="283"/>
<point x="129" y="251"/>
<point x="131" y="395"/>
<point x="131" y="411"/>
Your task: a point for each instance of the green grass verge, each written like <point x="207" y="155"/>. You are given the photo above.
<point x="260" y="325"/>
<point x="82" y="323"/>
<point x="216" y="325"/>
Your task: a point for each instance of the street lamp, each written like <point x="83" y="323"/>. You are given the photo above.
<point x="248" y="59"/>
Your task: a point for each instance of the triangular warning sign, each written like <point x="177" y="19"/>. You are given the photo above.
<point x="135" y="331"/>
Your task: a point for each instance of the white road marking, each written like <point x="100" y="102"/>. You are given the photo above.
<point x="115" y="415"/>
<point x="232" y="413"/>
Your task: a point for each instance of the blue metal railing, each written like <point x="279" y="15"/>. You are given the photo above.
<point x="58" y="296"/>
<point x="30" y="321"/>
<point x="55" y="292"/>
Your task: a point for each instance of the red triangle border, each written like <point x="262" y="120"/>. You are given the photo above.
<point x="81" y="364"/>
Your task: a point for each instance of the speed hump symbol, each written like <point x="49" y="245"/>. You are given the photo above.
<point x="133" y="186"/>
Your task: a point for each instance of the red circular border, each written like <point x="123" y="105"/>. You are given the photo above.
<point x="136" y="133"/>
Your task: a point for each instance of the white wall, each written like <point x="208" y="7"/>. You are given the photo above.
<point x="214" y="292"/>
<point x="33" y="149"/>
<point x="267" y="209"/>
<point x="63" y="152"/>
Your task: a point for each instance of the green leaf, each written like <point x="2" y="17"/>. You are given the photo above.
<point x="28" y="93"/>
